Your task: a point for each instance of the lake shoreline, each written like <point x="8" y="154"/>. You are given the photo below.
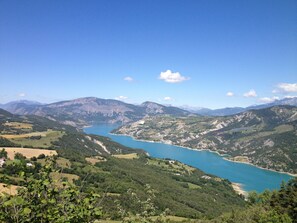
<point x="238" y="187"/>
<point x="208" y="150"/>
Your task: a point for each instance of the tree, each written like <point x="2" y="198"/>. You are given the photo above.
<point x="19" y="156"/>
<point x="3" y="153"/>
<point x="42" y="200"/>
<point x="146" y="209"/>
<point x="285" y="200"/>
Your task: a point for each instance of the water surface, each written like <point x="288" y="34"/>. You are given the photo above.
<point x="251" y="177"/>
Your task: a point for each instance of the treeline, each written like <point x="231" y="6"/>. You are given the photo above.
<point x="268" y="207"/>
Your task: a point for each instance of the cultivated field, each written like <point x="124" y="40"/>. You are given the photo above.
<point x="58" y="177"/>
<point x="8" y="189"/>
<point x="35" y="139"/>
<point x="29" y="153"/>
<point x="95" y="159"/>
<point x="126" y="156"/>
<point x="18" y="125"/>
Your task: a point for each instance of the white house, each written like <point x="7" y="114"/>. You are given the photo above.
<point x="2" y="161"/>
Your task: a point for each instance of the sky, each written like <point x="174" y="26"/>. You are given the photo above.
<point x="200" y="53"/>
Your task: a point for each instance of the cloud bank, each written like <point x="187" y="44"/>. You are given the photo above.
<point x="287" y="87"/>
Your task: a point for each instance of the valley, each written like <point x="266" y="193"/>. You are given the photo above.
<point x="110" y="169"/>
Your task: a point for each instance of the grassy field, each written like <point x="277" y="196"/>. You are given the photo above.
<point x="172" y="166"/>
<point x="29" y="153"/>
<point x="18" y="125"/>
<point x="126" y="156"/>
<point x="171" y="219"/>
<point x="9" y="189"/>
<point x="59" y="177"/>
<point x="95" y="159"/>
<point x="193" y="186"/>
<point x="35" y="139"/>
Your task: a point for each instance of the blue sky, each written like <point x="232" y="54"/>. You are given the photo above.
<point x="207" y="53"/>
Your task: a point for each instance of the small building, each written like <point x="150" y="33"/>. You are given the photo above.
<point x="2" y="161"/>
<point x="206" y="177"/>
<point x="29" y="164"/>
<point x="172" y="161"/>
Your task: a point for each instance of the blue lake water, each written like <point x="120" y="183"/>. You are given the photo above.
<point x="251" y="177"/>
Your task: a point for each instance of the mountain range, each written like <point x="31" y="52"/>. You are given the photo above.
<point x="235" y="110"/>
<point x="88" y="111"/>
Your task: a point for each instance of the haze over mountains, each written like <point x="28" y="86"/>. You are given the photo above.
<point x="235" y="110"/>
<point x="91" y="110"/>
<point x="109" y="110"/>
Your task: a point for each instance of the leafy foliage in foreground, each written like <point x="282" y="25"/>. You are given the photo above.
<point x="267" y="207"/>
<point x="42" y="200"/>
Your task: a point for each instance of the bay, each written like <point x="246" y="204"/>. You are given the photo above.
<point x="250" y="177"/>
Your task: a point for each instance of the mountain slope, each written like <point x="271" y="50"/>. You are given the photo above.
<point x="186" y="191"/>
<point x="38" y="132"/>
<point x="265" y="137"/>
<point x="236" y="110"/>
<point x="88" y="111"/>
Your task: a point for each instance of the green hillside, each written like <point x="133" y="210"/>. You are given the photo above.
<point x="265" y="137"/>
<point x="178" y="190"/>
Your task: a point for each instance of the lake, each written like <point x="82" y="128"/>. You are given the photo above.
<point x="251" y="177"/>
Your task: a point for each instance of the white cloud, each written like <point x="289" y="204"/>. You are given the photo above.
<point x="168" y="99"/>
<point x="129" y="79"/>
<point x="22" y="94"/>
<point x="171" y="77"/>
<point x="230" y="94"/>
<point x="286" y="87"/>
<point x="268" y="100"/>
<point x="291" y="96"/>
<point x="250" y="93"/>
<point x="121" y="98"/>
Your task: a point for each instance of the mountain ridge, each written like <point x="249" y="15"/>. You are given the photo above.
<point x="235" y="110"/>
<point x="264" y="137"/>
<point x="91" y="110"/>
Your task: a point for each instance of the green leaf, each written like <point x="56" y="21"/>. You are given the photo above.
<point x="27" y="211"/>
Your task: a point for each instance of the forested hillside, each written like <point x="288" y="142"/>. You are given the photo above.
<point x="265" y="137"/>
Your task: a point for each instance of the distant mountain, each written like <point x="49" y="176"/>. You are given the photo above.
<point x="4" y="113"/>
<point x="17" y="107"/>
<point x="91" y="110"/>
<point x="153" y="108"/>
<point x="286" y="101"/>
<point x="237" y="110"/>
<point x="264" y="137"/>
<point x="222" y="111"/>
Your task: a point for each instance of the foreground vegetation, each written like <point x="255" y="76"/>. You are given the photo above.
<point x="43" y="198"/>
